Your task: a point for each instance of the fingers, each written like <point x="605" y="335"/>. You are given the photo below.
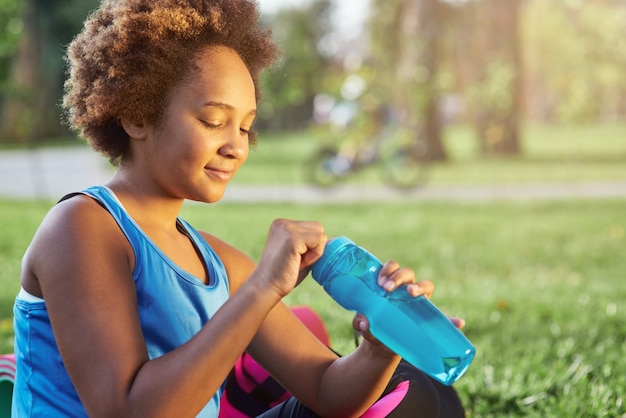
<point x="305" y="239"/>
<point x="458" y="322"/>
<point x="309" y="238"/>
<point x="362" y="326"/>
<point x="360" y="323"/>
<point x="393" y="276"/>
<point x="423" y="287"/>
<point x="314" y="248"/>
<point x="291" y="248"/>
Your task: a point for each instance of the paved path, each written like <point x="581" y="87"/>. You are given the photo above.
<point x="48" y="173"/>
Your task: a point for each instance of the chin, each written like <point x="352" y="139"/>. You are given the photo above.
<point x="206" y="192"/>
<point x="211" y="196"/>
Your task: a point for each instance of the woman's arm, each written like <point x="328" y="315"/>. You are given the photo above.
<point x="83" y="265"/>
<point x="328" y="385"/>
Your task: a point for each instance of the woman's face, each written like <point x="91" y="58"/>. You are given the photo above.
<point x="202" y="139"/>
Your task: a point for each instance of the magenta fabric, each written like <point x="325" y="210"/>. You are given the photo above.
<point x="249" y="375"/>
<point x="388" y="403"/>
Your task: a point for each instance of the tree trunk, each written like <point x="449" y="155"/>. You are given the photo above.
<point x="417" y="72"/>
<point x="30" y="110"/>
<point x="497" y="76"/>
<point x="19" y="117"/>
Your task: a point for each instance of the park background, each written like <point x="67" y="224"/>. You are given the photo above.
<point x="511" y="95"/>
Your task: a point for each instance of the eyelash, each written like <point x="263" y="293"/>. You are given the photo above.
<point x="213" y="126"/>
<point x="210" y="125"/>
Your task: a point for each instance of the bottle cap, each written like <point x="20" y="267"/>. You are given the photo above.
<point x="329" y="251"/>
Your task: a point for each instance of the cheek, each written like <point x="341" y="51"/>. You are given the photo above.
<point x="195" y="144"/>
<point x="245" y="154"/>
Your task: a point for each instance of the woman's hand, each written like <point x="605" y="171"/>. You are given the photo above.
<point x="391" y="277"/>
<point x="291" y="249"/>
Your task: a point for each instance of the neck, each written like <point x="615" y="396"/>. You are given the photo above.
<point x="148" y="205"/>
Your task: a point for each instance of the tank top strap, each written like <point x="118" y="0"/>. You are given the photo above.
<point x="107" y="199"/>
<point x="135" y="235"/>
<point x="212" y="261"/>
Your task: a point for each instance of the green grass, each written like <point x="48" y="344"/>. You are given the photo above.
<point x="541" y="285"/>
<point x="18" y="222"/>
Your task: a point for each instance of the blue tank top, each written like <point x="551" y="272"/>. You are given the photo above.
<point x="173" y="306"/>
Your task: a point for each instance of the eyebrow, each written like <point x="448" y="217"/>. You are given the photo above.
<point x="226" y="106"/>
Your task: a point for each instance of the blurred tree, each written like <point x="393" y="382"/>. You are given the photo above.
<point x="30" y="110"/>
<point x="494" y="93"/>
<point x="572" y="52"/>
<point x="405" y="50"/>
<point x="10" y="21"/>
<point x="18" y="105"/>
<point x="576" y="60"/>
<point x="289" y="88"/>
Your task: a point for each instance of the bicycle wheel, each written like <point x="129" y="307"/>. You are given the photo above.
<point x="404" y="170"/>
<point x="326" y="167"/>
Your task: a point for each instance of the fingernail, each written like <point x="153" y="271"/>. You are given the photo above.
<point x="389" y="285"/>
<point x="415" y="289"/>
<point x="458" y="322"/>
<point x="362" y="326"/>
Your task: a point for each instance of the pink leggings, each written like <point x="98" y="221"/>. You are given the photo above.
<point x="252" y="392"/>
<point x="410" y="393"/>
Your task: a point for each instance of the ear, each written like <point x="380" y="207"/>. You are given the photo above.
<point x="135" y="130"/>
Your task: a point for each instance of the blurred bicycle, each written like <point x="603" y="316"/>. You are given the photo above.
<point x="399" y="152"/>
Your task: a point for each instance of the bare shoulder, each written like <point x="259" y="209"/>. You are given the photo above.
<point x="71" y="212"/>
<point x="238" y="265"/>
<point x="80" y="220"/>
<point x="77" y="231"/>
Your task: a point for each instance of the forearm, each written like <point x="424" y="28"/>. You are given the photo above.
<point x="181" y="382"/>
<point x="353" y="383"/>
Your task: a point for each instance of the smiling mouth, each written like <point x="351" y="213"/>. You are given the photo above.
<point x="219" y="174"/>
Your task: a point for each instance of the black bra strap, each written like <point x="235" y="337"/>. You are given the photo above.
<point x="68" y="196"/>
<point x="71" y="195"/>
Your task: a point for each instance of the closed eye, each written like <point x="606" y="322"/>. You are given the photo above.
<point x="210" y="125"/>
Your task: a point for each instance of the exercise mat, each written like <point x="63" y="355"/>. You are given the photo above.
<point x="7" y="379"/>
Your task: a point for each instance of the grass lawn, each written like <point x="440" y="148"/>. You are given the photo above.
<point x="541" y="284"/>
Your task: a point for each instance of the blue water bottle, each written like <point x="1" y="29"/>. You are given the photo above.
<point x="410" y="326"/>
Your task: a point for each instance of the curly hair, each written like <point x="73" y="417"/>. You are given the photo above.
<point x="131" y="53"/>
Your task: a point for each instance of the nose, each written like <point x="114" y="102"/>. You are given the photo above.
<point x="236" y="146"/>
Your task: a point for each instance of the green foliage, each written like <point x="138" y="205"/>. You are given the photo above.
<point x="572" y="66"/>
<point x="290" y="86"/>
<point x="494" y="91"/>
<point x="10" y="20"/>
<point x="386" y="49"/>
<point x="32" y="73"/>
<point x="574" y="59"/>
<point x="58" y="21"/>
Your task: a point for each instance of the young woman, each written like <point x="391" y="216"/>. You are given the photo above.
<point x="125" y="309"/>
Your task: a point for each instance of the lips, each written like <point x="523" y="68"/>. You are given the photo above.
<point x="220" y="174"/>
